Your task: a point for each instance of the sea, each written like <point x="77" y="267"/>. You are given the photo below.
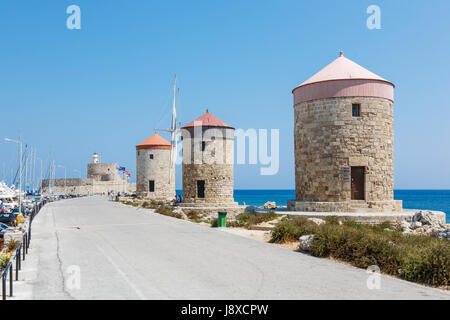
<point x="438" y="200"/>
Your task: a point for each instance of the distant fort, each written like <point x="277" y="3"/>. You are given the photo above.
<point x="101" y="178"/>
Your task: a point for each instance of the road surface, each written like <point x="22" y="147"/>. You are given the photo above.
<point x="91" y="248"/>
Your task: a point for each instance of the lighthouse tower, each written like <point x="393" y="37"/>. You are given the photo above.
<point x="208" y="154"/>
<point x="344" y="141"/>
<point x="155" y="175"/>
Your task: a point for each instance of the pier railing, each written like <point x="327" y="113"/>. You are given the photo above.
<point x="19" y="255"/>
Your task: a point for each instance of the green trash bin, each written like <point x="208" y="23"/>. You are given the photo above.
<point x="222" y="219"/>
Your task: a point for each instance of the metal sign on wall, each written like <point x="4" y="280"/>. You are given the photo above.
<point x="346" y="171"/>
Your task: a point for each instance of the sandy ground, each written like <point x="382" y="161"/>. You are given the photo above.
<point x="259" y="235"/>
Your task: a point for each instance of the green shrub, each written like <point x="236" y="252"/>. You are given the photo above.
<point x="146" y="204"/>
<point x="149" y="205"/>
<point x="291" y="230"/>
<point x="431" y="266"/>
<point x="417" y="258"/>
<point x="247" y="220"/>
<point x="333" y="220"/>
<point x="356" y="246"/>
<point x="194" y="216"/>
<point x="167" y="211"/>
<point x="178" y="215"/>
<point x="214" y="223"/>
<point x="4" y="259"/>
<point x="12" y="245"/>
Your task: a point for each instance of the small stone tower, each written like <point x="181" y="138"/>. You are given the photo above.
<point x="208" y="155"/>
<point x="105" y="172"/>
<point x="155" y="175"/>
<point x="344" y="141"/>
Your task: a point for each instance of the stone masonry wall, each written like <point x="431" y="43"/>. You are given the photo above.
<point x="214" y="165"/>
<point x="218" y="183"/>
<point x="103" y="172"/>
<point x="329" y="140"/>
<point x="156" y="169"/>
<point x="87" y="186"/>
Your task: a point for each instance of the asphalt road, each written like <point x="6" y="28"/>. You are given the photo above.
<point x="91" y="248"/>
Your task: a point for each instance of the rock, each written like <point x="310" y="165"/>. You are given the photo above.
<point x="317" y="221"/>
<point x="443" y="233"/>
<point x="405" y="225"/>
<point x="426" y="218"/>
<point x="270" y="205"/>
<point x="305" y="242"/>
<point x="179" y="212"/>
<point x="416" y="224"/>
<point x="250" y="209"/>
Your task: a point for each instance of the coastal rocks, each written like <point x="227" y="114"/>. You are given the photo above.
<point x="270" y="205"/>
<point x="443" y="233"/>
<point x="416" y="224"/>
<point x="317" y="221"/>
<point x="426" y="218"/>
<point x="424" y="223"/>
<point x="305" y="242"/>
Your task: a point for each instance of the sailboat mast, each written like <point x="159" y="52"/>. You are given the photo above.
<point x="174" y="110"/>
<point x="173" y="127"/>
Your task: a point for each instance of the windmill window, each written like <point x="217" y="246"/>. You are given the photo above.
<point x="203" y="146"/>
<point x="356" y="110"/>
<point x="151" y="157"/>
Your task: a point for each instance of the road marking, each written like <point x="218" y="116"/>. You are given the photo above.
<point x="124" y="276"/>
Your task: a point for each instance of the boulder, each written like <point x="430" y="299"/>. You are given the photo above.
<point x="270" y="205"/>
<point x="405" y="225"/>
<point x="180" y="212"/>
<point x="443" y="234"/>
<point x="416" y="224"/>
<point x="426" y="218"/>
<point x="305" y="242"/>
<point x="317" y="221"/>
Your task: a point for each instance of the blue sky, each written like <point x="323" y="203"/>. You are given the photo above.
<point x="104" y="88"/>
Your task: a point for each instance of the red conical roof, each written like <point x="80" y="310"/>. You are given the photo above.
<point x="343" y="78"/>
<point x="154" y="142"/>
<point x="208" y="120"/>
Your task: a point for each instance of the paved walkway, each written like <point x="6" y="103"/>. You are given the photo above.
<point x="90" y="248"/>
